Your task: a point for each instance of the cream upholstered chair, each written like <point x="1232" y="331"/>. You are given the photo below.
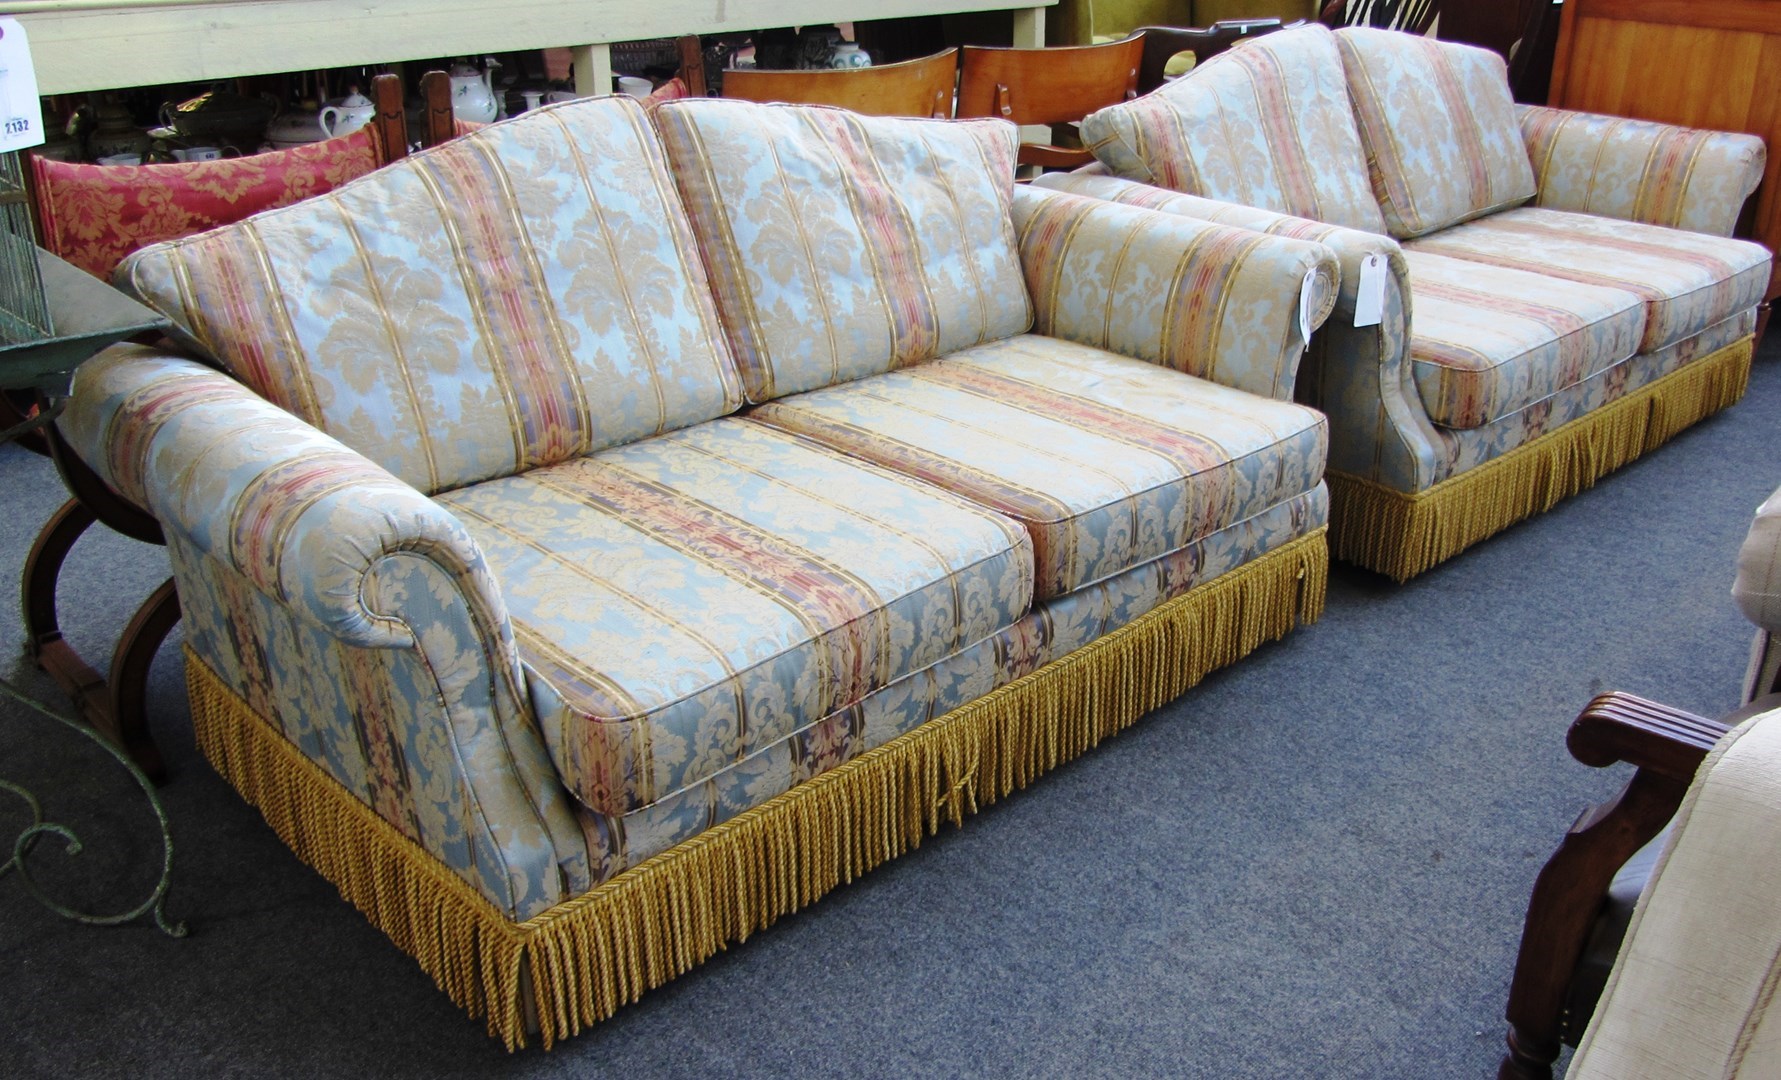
<point x="1690" y="995"/>
<point x="1657" y="922"/>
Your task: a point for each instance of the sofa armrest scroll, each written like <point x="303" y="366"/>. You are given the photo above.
<point x="1221" y="303"/>
<point x="304" y="518"/>
<point x="1358" y="375"/>
<point x="1668" y="741"/>
<point x="1637" y="170"/>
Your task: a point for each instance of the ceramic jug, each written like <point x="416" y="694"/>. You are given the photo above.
<point x="849" y="55"/>
<point x="472" y="92"/>
<point x="347" y="114"/>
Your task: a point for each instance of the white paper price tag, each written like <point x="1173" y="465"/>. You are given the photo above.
<point x="1369" y="300"/>
<point x="21" y="117"/>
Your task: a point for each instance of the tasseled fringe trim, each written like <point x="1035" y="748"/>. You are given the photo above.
<point x="1402" y="535"/>
<point x="580" y="961"/>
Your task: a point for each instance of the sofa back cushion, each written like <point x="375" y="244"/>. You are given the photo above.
<point x="516" y="297"/>
<point x="1266" y="124"/>
<point x="841" y="246"/>
<point x="1442" y="138"/>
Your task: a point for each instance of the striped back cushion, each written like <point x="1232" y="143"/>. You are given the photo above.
<point x="1439" y="125"/>
<point x="1266" y="124"/>
<point x="840" y="245"/>
<point x="521" y="295"/>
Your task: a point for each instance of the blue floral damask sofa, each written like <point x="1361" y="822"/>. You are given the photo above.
<point x="1550" y="294"/>
<point x="607" y="532"/>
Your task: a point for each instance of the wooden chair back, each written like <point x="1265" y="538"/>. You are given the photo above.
<point x="1164" y="43"/>
<point x="921" y="87"/>
<point x="1057" y="85"/>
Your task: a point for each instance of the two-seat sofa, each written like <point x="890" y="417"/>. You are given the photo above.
<point x="1550" y="293"/>
<point x="607" y="532"/>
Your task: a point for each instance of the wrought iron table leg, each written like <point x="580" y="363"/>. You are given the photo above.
<point x="117" y="706"/>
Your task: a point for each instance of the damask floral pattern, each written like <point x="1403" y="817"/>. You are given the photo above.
<point x="1689" y="281"/>
<point x="1049" y="632"/>
<point x="1108" y="462"/>
<point x="515" y="297"/>
<point x="856" y="245"/>
<point x="1438" y="123"/>
<point x="94" y="215"/>
<point x="690" y="598"/>
<point x="1266" y="124"/>
<point x="1637" y="170"/>
<point x="1487" y="340"/>
<point x="1229" y="305"/>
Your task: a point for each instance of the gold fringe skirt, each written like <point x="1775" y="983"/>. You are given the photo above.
<point x="1401" y="535"/>
<point x="580" y="961"/>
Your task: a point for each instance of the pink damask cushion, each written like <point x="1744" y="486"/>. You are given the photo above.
<point x="94" y="215"/>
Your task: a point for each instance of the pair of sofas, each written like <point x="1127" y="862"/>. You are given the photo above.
<point x="1530" y="297"/>
<point x="608" y="531"/>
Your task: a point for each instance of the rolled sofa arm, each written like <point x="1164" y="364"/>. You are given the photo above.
<point x="1228" y="305"/>
<point x="1637" y="170"/>
<point x="1757" y="591"/>
<point x="301" y="516"/>
<point x="1358" y="375"/>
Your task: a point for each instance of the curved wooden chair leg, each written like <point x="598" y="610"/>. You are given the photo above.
<point x="42" y="569"/>
<point x="128" y="684"/>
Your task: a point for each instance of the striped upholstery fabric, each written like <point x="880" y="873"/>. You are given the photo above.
<point x="1190" y="295"/>
<point x="457" y="316"/>
<point x="1108" y="462"/>
<point x="688" y="599"/>
<point x="1266" y="124"/>
<point x="1640" y="171"/>
<point x="1439" y="128"/>
<point x="1487" y="341"/>
<point x="1688" y="281"/>
<point x="857" y="245"/>
<point x="1049" y="632"/>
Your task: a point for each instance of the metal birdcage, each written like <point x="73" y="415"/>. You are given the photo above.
<point x="24" y="307"/>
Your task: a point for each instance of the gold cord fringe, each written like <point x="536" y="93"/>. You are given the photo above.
<point x="580" y="961"/>
<point x="1402" y="535"/>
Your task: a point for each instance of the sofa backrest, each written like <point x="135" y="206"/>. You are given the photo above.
<point x="1267" y="124"/>
<point x="513" y="298"/>
<point x="1439" y="126"/>
<point x="840" y="245"/>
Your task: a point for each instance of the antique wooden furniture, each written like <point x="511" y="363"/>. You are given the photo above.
<point x="1666" y="746"/>
<point x="1715" y="66"/>
<point x="1052" y="86"/>
<point x="920" y="87"/>
<point x="115" y="703"/>
<point x="1164" y="43"/>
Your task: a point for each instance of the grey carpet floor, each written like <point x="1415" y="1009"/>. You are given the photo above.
<point x="1315" y="864"/>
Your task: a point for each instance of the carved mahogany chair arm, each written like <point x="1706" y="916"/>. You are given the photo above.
<point x="1671" y="742"/>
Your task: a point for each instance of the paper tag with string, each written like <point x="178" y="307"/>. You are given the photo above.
<point x="1369" y="299"/>
<point x="21" y="115"/>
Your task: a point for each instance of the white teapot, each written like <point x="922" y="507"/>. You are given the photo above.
<point x="347" y="114"/>
<point x="472" y="93"/>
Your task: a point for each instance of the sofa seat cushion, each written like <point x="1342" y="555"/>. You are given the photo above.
<point x="1487" y="341"/>
<point x="1439" y="126"/>
<point x="1107" y="461"/>
<point x="1267" y="124"/>
<point x="513" y="298"/>
<point x="1689" y="281"/>
<point x="683" y="601"/>
<point x="857" y="244"/>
